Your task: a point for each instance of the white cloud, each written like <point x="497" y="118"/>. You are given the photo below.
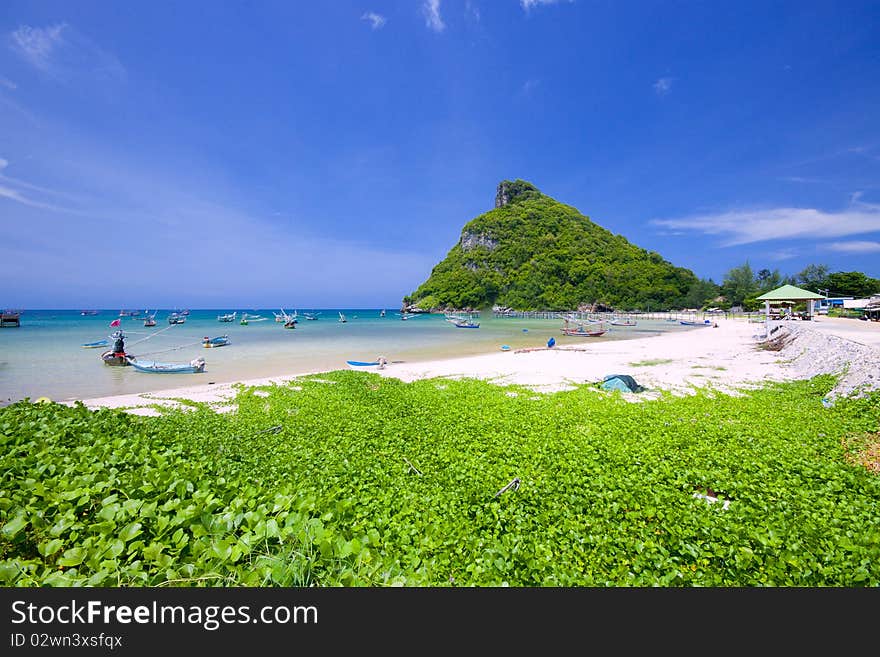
<point x="63" y="53"/>
<point x="662" y="86"/>
<point x="377" y="21"/>
<point x="528" y="4"/>
<point x="750" y="226"/>
<point x="802" y="179"/>
<point x="15" y="195"/>
<point x="431" y="11"/>
<point x="855" y="247"/>
<point x="36" y="44"/>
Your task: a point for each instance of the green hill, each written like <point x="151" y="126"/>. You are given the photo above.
<point x="533" y="252"/>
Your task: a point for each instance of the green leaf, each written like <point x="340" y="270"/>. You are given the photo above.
<point x="50" y="548"/>
<point x="72" y="557"/>
<point x="130" y="531"/>
<point x="11" y="528"/>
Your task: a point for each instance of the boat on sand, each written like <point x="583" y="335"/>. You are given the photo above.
<point x="360" y="364"/>
<point x="194" y="366"/>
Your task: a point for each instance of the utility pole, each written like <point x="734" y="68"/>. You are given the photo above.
<point x="825" y="291"/>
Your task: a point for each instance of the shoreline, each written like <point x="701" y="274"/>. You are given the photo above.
<point x="725" y="359"/>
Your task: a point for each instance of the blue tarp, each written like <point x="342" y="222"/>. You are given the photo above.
<point x="622" y="382"/>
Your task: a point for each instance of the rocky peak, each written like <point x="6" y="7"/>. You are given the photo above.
<point x="508" y="192"/>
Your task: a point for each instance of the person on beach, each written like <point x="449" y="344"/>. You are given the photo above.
<point x="382" y="362"/>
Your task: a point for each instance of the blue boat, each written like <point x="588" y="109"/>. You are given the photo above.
<point x="219" y="341"/>
<point x="461" y="322"/>
<point x="95" y="345"/>
<point x="380" y="363"/>
<point x="151" y="366"/>
<point x="705" y="322"/>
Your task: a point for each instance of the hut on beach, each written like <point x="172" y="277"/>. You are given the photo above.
<point x="789" y="294"/>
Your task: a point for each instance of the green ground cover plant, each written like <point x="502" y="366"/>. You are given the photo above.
<point x="356" y="480"/>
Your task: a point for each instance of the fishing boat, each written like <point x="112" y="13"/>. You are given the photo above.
<point x="174" y="318"/>
<point x="219" y="341"/>
<point x="462" y="322"/>
<point x="342" y="318"/>
<point x="95" y="345"/>
<point x="583" y="333"/>
<point x="382" y="313"/>
<point x="244" y="319"/>
<point x="194" y="366"/>
<point x="580" y="330"/>
<point x="88" y="313"/>
<point x="705" y="322"/>
<point x="227" y="318"/>
<point x="115" y="359"/>
<point x="129" y="313"/>
<point x="404" y="317"/>
<point x="184" y="312"/>
<point x="311" y="316"/>
<point x="150" y="320"/>
<point x="290" y="324"/>
<point x="622" y="322"/>
<point x="10" y="318"/>
<point x="282" y="316"/>
<point x="359" y="364"/>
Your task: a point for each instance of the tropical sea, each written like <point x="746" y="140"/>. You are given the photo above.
<point x="44" y="357"/>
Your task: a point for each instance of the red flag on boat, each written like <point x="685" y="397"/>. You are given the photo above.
<point x="115" y="322"/>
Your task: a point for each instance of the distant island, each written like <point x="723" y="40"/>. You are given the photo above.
<point x="532" y="252"/>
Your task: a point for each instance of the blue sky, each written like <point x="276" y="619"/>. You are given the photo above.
<point x="327" y="154"/>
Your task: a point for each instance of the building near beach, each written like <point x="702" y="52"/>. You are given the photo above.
<point x="788" y="294"/>
<point x="822" y="306"/>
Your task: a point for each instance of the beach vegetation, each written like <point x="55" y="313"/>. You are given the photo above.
<point x="819" y="278"/>
<point x="369" y="481"/>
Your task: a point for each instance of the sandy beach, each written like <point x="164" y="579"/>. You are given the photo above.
<point x="726" y="359"/>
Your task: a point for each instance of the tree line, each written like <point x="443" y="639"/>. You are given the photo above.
<point x="742" y="285"/>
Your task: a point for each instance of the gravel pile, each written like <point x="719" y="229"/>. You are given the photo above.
<point x="810" y="353"/>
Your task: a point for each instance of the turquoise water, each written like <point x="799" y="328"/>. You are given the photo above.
<point x="44" y="357"/>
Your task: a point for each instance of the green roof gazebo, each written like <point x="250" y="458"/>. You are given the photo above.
<point x="789" y="293"/>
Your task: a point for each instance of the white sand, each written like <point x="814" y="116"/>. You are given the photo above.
<point x="725" y="358"/>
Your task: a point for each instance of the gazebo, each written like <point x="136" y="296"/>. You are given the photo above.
<point x="789" y="293"/>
